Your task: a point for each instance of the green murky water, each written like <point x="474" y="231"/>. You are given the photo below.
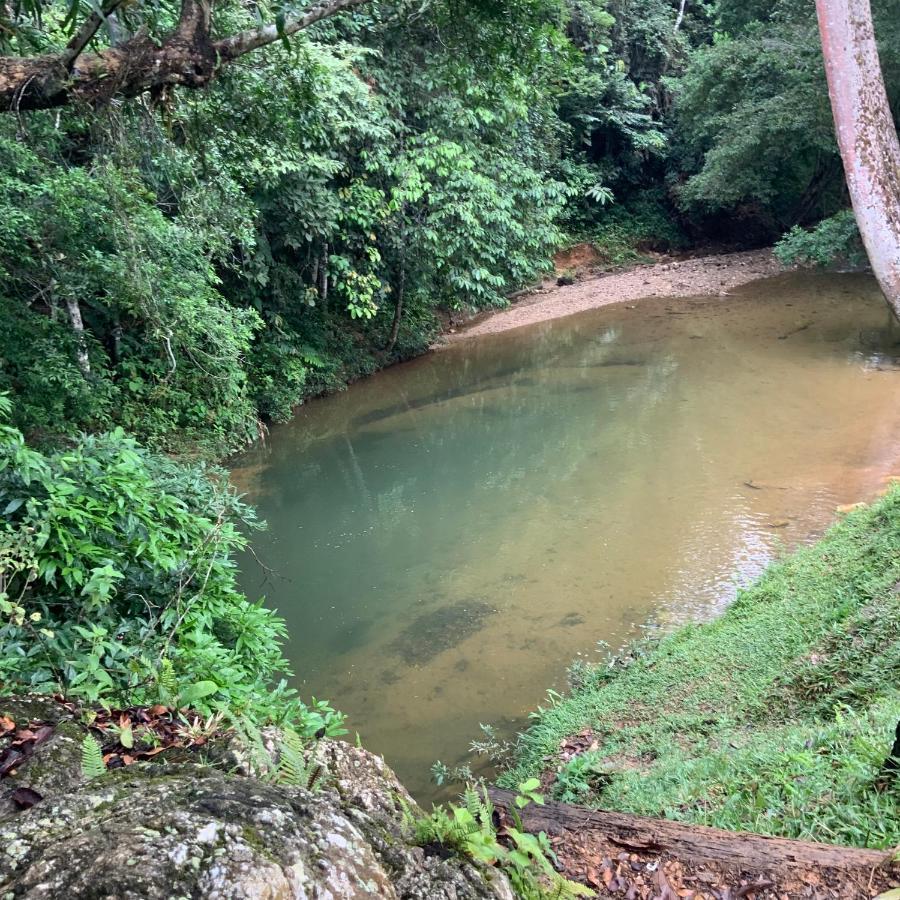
<point x="445" y="537"/>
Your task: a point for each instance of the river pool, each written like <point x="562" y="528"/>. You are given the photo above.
<point x="445" y="537"/>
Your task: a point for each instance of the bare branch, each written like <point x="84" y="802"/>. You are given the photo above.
<point x="86" y="33"/>
<point x="239" y="44"/>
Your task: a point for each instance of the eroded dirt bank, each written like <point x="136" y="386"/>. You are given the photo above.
<point x="704" y="275"/>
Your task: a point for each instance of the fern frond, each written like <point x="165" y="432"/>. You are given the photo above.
<point x="315" y="771"/>
<point x="293" y="768"/>
<point x="472" y="802"/>
<point x="406" y="814"/>
<point x="291" y="765"/>
<point x="463" y="824"/>
<point x="92" y="765"/>
<point x="438" y="826"/>
<point x="479" y="808"/>
<point x="486" y="813"/>
<point x="167" y="682"/>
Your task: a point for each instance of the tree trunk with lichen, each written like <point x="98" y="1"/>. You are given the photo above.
<point x="867" y="136"/>
<point x="398" y="309"/>
<point x="77" y="323"/>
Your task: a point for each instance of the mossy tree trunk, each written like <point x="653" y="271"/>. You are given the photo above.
<point x="866" y="133"/>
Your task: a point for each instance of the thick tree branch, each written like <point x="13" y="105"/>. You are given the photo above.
<point x="187" y="57"/>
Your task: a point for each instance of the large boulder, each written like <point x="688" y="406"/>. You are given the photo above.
<point x="194" y="830"/>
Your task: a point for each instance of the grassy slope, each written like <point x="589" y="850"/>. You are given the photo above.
<point x="774" y="718"/>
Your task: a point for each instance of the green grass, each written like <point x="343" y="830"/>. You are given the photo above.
<point x="774" y="718"/>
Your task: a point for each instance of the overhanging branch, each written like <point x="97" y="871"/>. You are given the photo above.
<point x="187" y="57"/>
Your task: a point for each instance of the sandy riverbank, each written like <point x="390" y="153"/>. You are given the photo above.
<point x="703" y="276"/>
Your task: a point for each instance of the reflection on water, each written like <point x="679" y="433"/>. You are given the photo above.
<point x="448" y="535"/>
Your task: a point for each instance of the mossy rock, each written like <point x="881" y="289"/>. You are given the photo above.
<point x="194" y="830"/>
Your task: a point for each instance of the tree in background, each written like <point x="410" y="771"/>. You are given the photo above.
<point x="866" y="134"/>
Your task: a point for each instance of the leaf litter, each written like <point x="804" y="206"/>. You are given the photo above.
<point x="126" y="736"/>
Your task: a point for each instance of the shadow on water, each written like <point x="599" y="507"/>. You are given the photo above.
<point x="446" y="536"/>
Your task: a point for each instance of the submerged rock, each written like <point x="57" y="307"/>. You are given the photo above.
<point x="440" y="629"/>
<point x="192" y="830"/>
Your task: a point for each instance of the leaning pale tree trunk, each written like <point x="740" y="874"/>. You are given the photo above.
<point x="866" y="134"/>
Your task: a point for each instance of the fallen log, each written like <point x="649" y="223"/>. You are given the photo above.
<point x="732" y="849"/>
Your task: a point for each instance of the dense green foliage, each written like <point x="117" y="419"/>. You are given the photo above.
<point x="775" y="718"/>
<point x="232" y="251"/>
<point x="834" y="240"/>
<point x="192" y="265"/>
<point x="117" y="584"/>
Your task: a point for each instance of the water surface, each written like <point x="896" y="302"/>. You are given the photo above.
<point x="446" y="536"/>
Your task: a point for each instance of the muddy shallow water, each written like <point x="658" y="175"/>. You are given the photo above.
<point x="447" y="536"/>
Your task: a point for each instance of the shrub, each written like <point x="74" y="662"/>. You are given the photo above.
<point x="117" y="571"/>
<point x="834" y="240"/>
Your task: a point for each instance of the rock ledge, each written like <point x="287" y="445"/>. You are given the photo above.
<point x="194" y="830"/>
